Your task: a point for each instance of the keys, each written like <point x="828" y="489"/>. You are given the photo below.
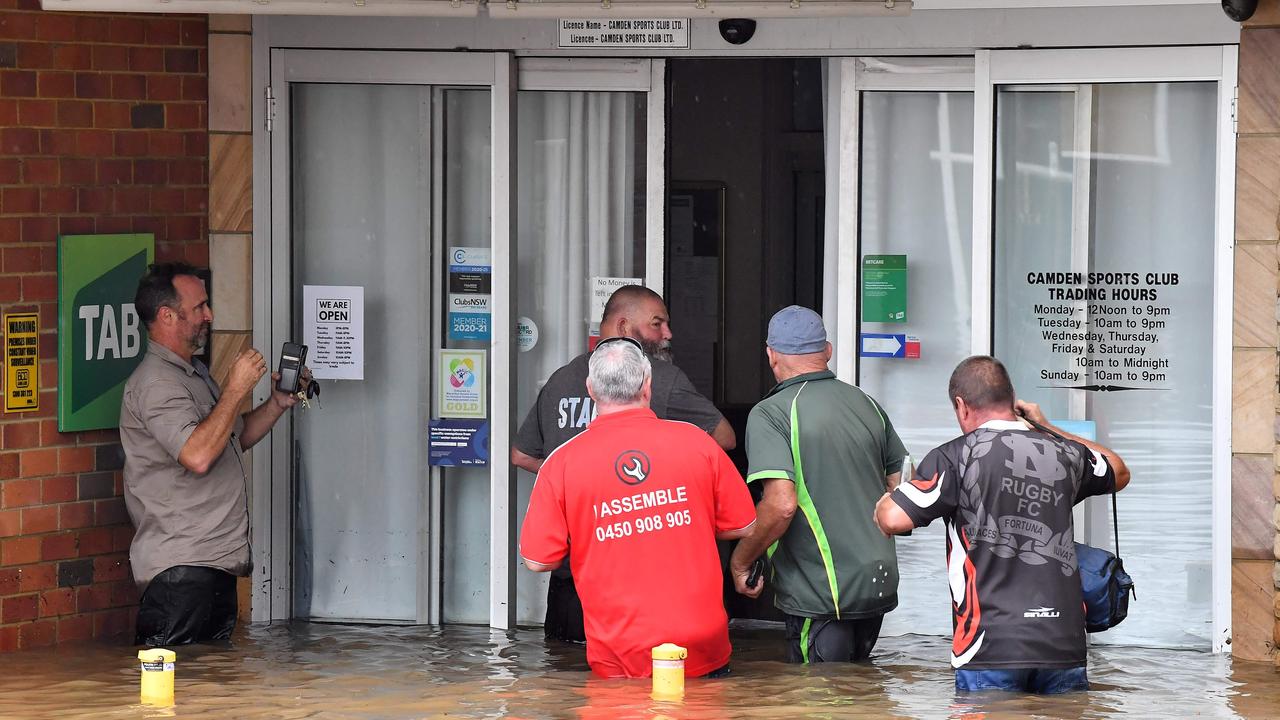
<point x="311" y="390"/>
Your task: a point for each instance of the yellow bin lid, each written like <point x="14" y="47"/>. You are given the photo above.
<point x="157" y="655"/>
<point x="669" y="651"/>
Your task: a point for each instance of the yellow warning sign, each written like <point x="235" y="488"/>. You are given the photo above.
<point x="21" y="362"/>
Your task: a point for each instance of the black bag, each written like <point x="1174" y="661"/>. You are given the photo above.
<point x="1104" y="583"/>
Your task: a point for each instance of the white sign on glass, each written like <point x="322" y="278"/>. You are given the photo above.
<point x="333" y="331"/>
<point x="602" y="288"/>
<point x="526" y="334"/>
<point x="624" y="33"/>
<point x="463" y="383"/>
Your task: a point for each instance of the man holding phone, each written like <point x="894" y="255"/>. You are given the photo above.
<point x="185" y="485"/>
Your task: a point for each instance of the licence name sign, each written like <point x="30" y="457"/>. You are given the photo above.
<point x="624" y="33"/>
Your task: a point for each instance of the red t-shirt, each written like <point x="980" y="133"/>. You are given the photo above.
<point x="636" y="502"/>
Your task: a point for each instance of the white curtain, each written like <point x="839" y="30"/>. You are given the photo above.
<point x="576" y="165"/>
<point x="579" y="158"/>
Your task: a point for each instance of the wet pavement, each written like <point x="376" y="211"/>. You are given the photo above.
<point x="332" y="671"/>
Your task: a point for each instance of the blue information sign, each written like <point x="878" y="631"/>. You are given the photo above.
<point x="468" y="326"/>
<point x="453" y="442"/>
<point x="882" y="345"/>
<point x="470" y="272"/>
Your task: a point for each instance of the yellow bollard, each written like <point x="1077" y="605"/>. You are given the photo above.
<point x="668" y="672"/>
<point x="157" y="676"/>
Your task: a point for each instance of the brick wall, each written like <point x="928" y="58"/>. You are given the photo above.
<point x="102" y="129"/>
<point x="1255" y="466"/>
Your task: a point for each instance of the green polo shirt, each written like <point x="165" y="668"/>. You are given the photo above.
<point x="837" y="445"/>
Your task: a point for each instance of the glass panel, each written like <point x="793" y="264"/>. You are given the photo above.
<point x="917" y="200"/>
<point x="466" y="222"/>
<point x="580" y="214"/>
<point x="1104" y="211"/>
<point x="360" y="165"/>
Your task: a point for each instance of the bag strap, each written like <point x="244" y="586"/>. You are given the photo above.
<point x="1115" y="523"/>
<point x="1115" y="513"/>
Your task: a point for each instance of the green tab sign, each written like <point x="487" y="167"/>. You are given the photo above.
<point x="884" y="288"/>
<point x="100" y="336"/>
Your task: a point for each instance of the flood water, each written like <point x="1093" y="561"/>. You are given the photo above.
<point x="331" y="671"/>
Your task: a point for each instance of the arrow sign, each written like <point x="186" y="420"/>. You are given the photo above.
<point x="883" y="345"/>
<point x="889" y="346"/>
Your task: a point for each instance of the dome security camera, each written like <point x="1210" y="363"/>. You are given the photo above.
<point x="737" y="31"/>
<point x="1239" y="10"/>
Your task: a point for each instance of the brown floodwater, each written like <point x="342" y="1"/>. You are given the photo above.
<point x="306" y="670"/>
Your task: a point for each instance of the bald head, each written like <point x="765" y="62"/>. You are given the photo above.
<point x="627" y="300"/>
<point x="637" y="312"/>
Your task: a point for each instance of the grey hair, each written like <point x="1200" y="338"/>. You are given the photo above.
<point x="618" y="371"/>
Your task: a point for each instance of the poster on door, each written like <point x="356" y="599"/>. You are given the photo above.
<point x="333" y="331"/>
<point x="462" y="383"/>
<point x="884" y="288"/>
<point x="598" y="292"/>
<point x="454" y="443"/>
<point x="470" y="281"/>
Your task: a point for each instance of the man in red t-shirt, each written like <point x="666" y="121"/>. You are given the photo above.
<point x="643" y="501"/>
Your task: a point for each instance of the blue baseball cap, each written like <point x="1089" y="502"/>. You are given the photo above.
<point x="796" y="330"/>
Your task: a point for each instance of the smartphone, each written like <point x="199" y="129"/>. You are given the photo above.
<point x="757" y="569"/>
<point x="292" y="355"/>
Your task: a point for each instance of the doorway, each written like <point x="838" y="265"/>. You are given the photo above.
<point x="745" y="210"/>
<point x="745" y="219"/>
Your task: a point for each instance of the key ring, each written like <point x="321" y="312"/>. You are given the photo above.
<point x="311" y="390"/>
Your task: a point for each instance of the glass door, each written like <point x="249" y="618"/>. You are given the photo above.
<point x="589" y="193"/>
<point x="915" y="189"/>
<point x="380" y="162"/>
<point x="1108" y="268"/>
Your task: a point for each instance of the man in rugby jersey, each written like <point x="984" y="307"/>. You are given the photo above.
<point x="1005" y="490"/>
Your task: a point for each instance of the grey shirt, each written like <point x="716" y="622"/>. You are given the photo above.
<point x="181" y="518"/>
<point x="563" y="408"/>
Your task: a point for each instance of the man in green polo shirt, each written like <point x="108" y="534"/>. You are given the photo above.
<point x="826" y="449"/>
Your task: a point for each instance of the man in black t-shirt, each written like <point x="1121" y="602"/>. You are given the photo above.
<point x="1005" y="492"/>
<point x="564" y="409"/>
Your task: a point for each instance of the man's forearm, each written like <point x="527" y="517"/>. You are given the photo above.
<point x="724" y="435"/>
<point x="1117" y="463"/>
<point x="259" y="421"/>
<point x="209" y="439"/>
<point x="890" y="518"/>
<point x="524" y="461"/>
<point x="771" y="524"/>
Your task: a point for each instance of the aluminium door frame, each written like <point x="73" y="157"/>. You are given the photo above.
<point x="847" y="79"/>
<point x="1214" y="63"/>
<point x="845" y="83"/>
<point x="645" y="76"/>
<point x="272" y="526"/>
